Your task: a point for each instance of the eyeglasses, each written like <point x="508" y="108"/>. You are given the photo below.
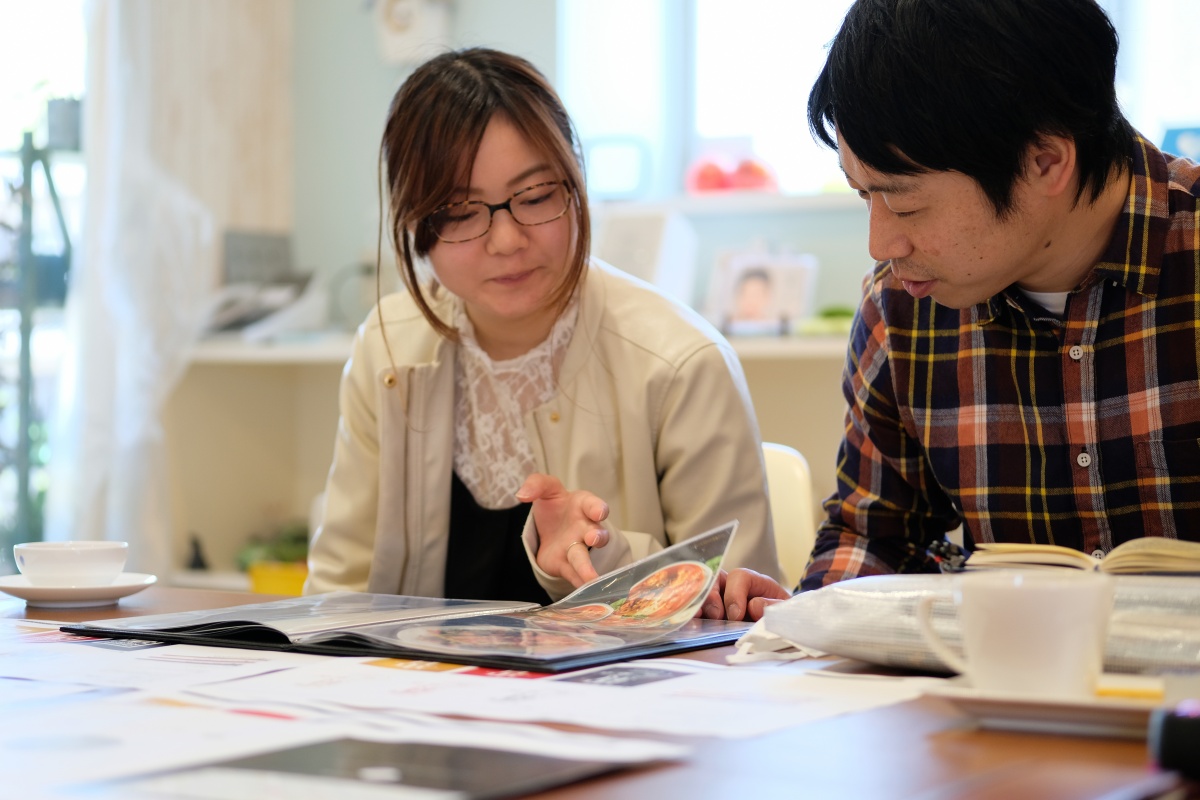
<point x="533" y="205"/>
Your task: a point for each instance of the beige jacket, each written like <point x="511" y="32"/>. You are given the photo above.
<point x="653" y="416"/>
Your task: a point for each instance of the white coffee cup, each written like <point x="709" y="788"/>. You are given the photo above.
<point x="1032" y="633"/>
<point x="70" y="564"/>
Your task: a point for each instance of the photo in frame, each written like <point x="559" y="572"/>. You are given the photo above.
<point x="761" y="294"/>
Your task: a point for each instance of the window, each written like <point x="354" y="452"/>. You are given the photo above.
<point x="622" y="102"/>
<point x="753" y="66"/>
<point x="42" y="69"/>
<point x="43" y="57"/>
<point x="690" y="80"/>
<point x="656" y="85"/>
<point x="1158" y="74"/>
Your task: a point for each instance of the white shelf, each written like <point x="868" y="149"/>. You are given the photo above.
<point x="216" y="580"/>
<point x="324" y="348"/>
<point x="741" y="202"/>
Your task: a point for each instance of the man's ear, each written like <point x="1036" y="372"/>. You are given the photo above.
<point x="1050" y="165"/>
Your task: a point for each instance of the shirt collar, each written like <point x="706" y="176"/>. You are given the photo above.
<point x="1134" y="253"/>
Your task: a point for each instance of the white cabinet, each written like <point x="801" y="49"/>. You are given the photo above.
<point x="249" y="434"/>
<point x="796" y="385"/>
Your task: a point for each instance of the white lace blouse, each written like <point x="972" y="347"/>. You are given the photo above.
<point x="492" y="456"/>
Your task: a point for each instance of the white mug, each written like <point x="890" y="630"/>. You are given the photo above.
<point x="1033" y="633"/>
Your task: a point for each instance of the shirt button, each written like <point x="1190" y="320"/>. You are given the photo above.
<point x="1097" y="554"/>
<point x="1075" y="352"/>
<point x="554" y="416"/>
<point x="1083" y="460"/>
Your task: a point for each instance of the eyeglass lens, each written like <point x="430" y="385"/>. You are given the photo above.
<point x="534" y="205"/>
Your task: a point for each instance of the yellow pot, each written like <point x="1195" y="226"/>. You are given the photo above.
<point x="278" y="577"/>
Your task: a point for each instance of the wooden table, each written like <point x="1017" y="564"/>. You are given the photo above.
<point x="920" y="749"/>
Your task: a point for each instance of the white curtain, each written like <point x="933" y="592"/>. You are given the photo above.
<point x="185" y="102"/>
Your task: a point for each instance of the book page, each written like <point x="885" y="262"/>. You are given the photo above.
<point x="989" y="555"/>
<point x="639" y="603"/>
<point x="1152" y="554"/>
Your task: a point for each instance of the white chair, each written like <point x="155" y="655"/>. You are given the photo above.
<point x="790" y="485"/>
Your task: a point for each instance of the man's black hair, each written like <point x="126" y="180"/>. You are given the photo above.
<point x="968" y="85"/>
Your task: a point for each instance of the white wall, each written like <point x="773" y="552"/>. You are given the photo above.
<point x="342" y="88"/>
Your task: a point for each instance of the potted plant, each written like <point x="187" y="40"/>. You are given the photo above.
<point x="278" y="563"/>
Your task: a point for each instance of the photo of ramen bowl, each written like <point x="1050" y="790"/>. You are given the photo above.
<point x="665" y="593"/>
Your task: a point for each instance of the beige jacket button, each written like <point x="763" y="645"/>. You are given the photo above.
<point x="554" y="416"/>
<point x="389" y="380"/>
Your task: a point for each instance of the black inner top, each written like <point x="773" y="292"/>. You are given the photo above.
<point x="486" y="559"/>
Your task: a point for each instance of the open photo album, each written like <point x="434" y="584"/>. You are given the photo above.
<point x="645" y="608"/>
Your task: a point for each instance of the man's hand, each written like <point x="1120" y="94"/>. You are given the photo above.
<point x="568" y="527"/>
<point x="741" y="593"/>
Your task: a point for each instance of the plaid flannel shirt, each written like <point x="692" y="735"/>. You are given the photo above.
<point x="1082" y="431"/>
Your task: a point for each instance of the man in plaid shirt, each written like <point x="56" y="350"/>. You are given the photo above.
<point x="1025" y="359"/>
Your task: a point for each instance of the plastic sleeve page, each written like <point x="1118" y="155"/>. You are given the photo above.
<point x="297" y="616"/>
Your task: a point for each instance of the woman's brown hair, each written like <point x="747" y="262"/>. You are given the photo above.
<point x="434" y="127"/>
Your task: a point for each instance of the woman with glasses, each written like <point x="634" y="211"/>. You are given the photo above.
<point x="523" y="418"/>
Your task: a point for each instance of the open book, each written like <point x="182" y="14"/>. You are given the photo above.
<point x="645" y="608"/>
<point x="1148" y="555"/>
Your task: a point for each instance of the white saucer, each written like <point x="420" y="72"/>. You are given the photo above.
<point x="75" y="596"/>
<point x="1117" y="717"/>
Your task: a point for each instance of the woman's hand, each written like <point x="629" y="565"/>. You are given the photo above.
<point x="568" y="525"/>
